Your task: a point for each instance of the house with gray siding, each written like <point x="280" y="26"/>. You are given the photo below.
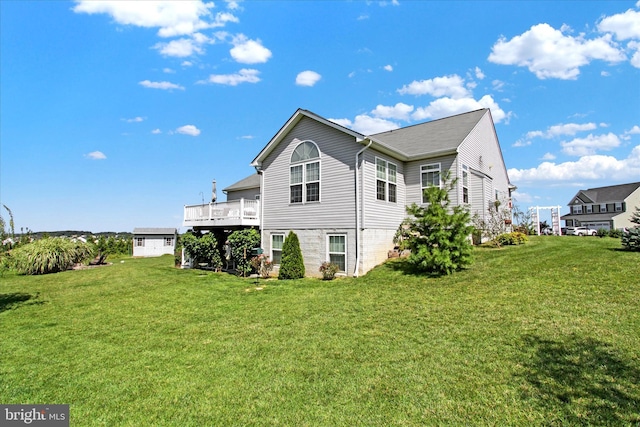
<point x="345" y="194"/>
<point x="608" y="207"/>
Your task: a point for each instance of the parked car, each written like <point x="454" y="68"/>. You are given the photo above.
<point x="581" y="231"/>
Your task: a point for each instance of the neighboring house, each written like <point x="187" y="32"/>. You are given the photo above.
<point x="345" y="194"/>
<point x="604" y="207"/>
<point x="150" y="242"/>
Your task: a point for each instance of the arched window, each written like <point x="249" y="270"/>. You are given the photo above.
<point x="304" y="175"/>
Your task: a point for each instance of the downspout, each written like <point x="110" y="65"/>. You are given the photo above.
<point x="358" y="234"/>
<point x="260" y="172"/>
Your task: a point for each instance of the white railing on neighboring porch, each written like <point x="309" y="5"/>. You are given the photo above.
<point x="235" y="212"/>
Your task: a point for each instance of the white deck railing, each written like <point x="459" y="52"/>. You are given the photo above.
<point x="235" y="212"/>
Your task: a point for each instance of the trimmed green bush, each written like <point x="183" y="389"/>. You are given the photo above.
<point x="513" y="238"/>
<point x="48" y="256"/>
<point x="631" y="239"/>
<point x="602" y="232"/>
<point x="615" y="233"/>
<point x="292" y="264"/>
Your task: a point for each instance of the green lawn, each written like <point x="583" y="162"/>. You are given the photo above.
<point x="542" y="334"/>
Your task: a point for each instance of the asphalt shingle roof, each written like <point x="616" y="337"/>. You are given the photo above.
<point x="611" y="193"/>
<point x="431" y="137"/>
<point x="252" y="181"/>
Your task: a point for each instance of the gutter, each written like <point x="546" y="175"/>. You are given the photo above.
<point x="358" y="236"/>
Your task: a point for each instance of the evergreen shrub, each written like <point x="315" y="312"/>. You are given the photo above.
<point x="292" y="263"/>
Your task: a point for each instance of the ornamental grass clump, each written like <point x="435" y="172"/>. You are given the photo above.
<point x="48" y="256"/>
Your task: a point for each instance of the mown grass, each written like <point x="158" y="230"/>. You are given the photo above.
<point x="541" y="334"/>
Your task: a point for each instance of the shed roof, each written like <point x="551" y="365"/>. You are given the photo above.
<point x="154" y="231"/>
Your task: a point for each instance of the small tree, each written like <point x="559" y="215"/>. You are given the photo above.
<point x="635" y="217"/>
<point x="495" y="222"/>
<point x="242" y="242"/>
<point x="291" y="264"/>
<point x="438" y="235"/>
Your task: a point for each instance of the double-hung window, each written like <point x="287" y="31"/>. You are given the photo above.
<point x="277" y="240"/>
<point x="429" y="176"/>
<point x="337" y="250"/>
<point x="618" y="206"/>
<point x="139" y="241"/>
<point x="304" y="174"/>
<point x="603" y="207"/>
<point x="386" y="180"/>
<point x="577" y="209"/>
<point x="589" y="209"/>
<point x="465" y="184"/>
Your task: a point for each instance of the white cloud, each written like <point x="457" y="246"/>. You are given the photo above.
<point x="562" y="129"/>
<point x="134" y="120"/>
<point x="96" y="155"/>
<point x="188" y="130"/>
<point x="168" y="70"/>
<point x="243" y="76"/>
<point x="594" y="167"/>
<point x="307" y="78"/>
<point x="633" y="131"/>
<point x="479" y="74"/>
<point x="388" y="68"/>
<point x="444" y="107"/>
<point x="172" y="18"/>
<point x="160" y="85"/>
<point x="590" y="145"/>
<point x="520" y="197"/>
<point x="452" y="86"/>
<point x="624" y="25"/>
<point x="548" y="156"/>
<point x="635" y="59"/>
<point x="400" y="111"/>
<point x="548" y="53"/>
<point x="180" y="48"/>
<point x="186" y="63"/>
<point x="247" y="51"/>
<point x="156" y="131"/>
<point x="367" y="125"/>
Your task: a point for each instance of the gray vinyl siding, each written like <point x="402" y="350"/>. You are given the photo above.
<point x="249" y="194"/>
<point x="377" y="213"/>
<point x="413" y="179"/>
<point x="336" y="208"/>
<point x="481" y="151"/>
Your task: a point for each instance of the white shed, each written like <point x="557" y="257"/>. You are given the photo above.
<point x="149" y="242"/>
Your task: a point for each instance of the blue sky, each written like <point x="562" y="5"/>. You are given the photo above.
<point x="114" y="115"/>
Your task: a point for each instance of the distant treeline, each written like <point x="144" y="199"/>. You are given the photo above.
<point x="77" y="233"/>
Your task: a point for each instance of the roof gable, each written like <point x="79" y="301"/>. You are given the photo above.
<point x="290" y="124"/>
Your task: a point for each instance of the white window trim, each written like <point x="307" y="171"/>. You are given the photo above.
<point x="465" y="170"/>
<point x="618" y="207"/>
<point x="386" y="180"/>
<point x="577" y="209"/>
<point x="304" y="182"/>
<point x="140" y="241"/>
<point x="346" y="258"/>
<point x="283" y="237"/>
<point x="589" y="209"/>
<point x="168" y="241"/>
<point x="603" y="205"/>
<point x="423" y="169"/>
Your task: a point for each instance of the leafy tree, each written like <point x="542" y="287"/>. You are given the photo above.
<point x="438" y="234"/>
<point x="242" y="242"/>
<point x="291" y="264"/>
<point x="202" y="249"/>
